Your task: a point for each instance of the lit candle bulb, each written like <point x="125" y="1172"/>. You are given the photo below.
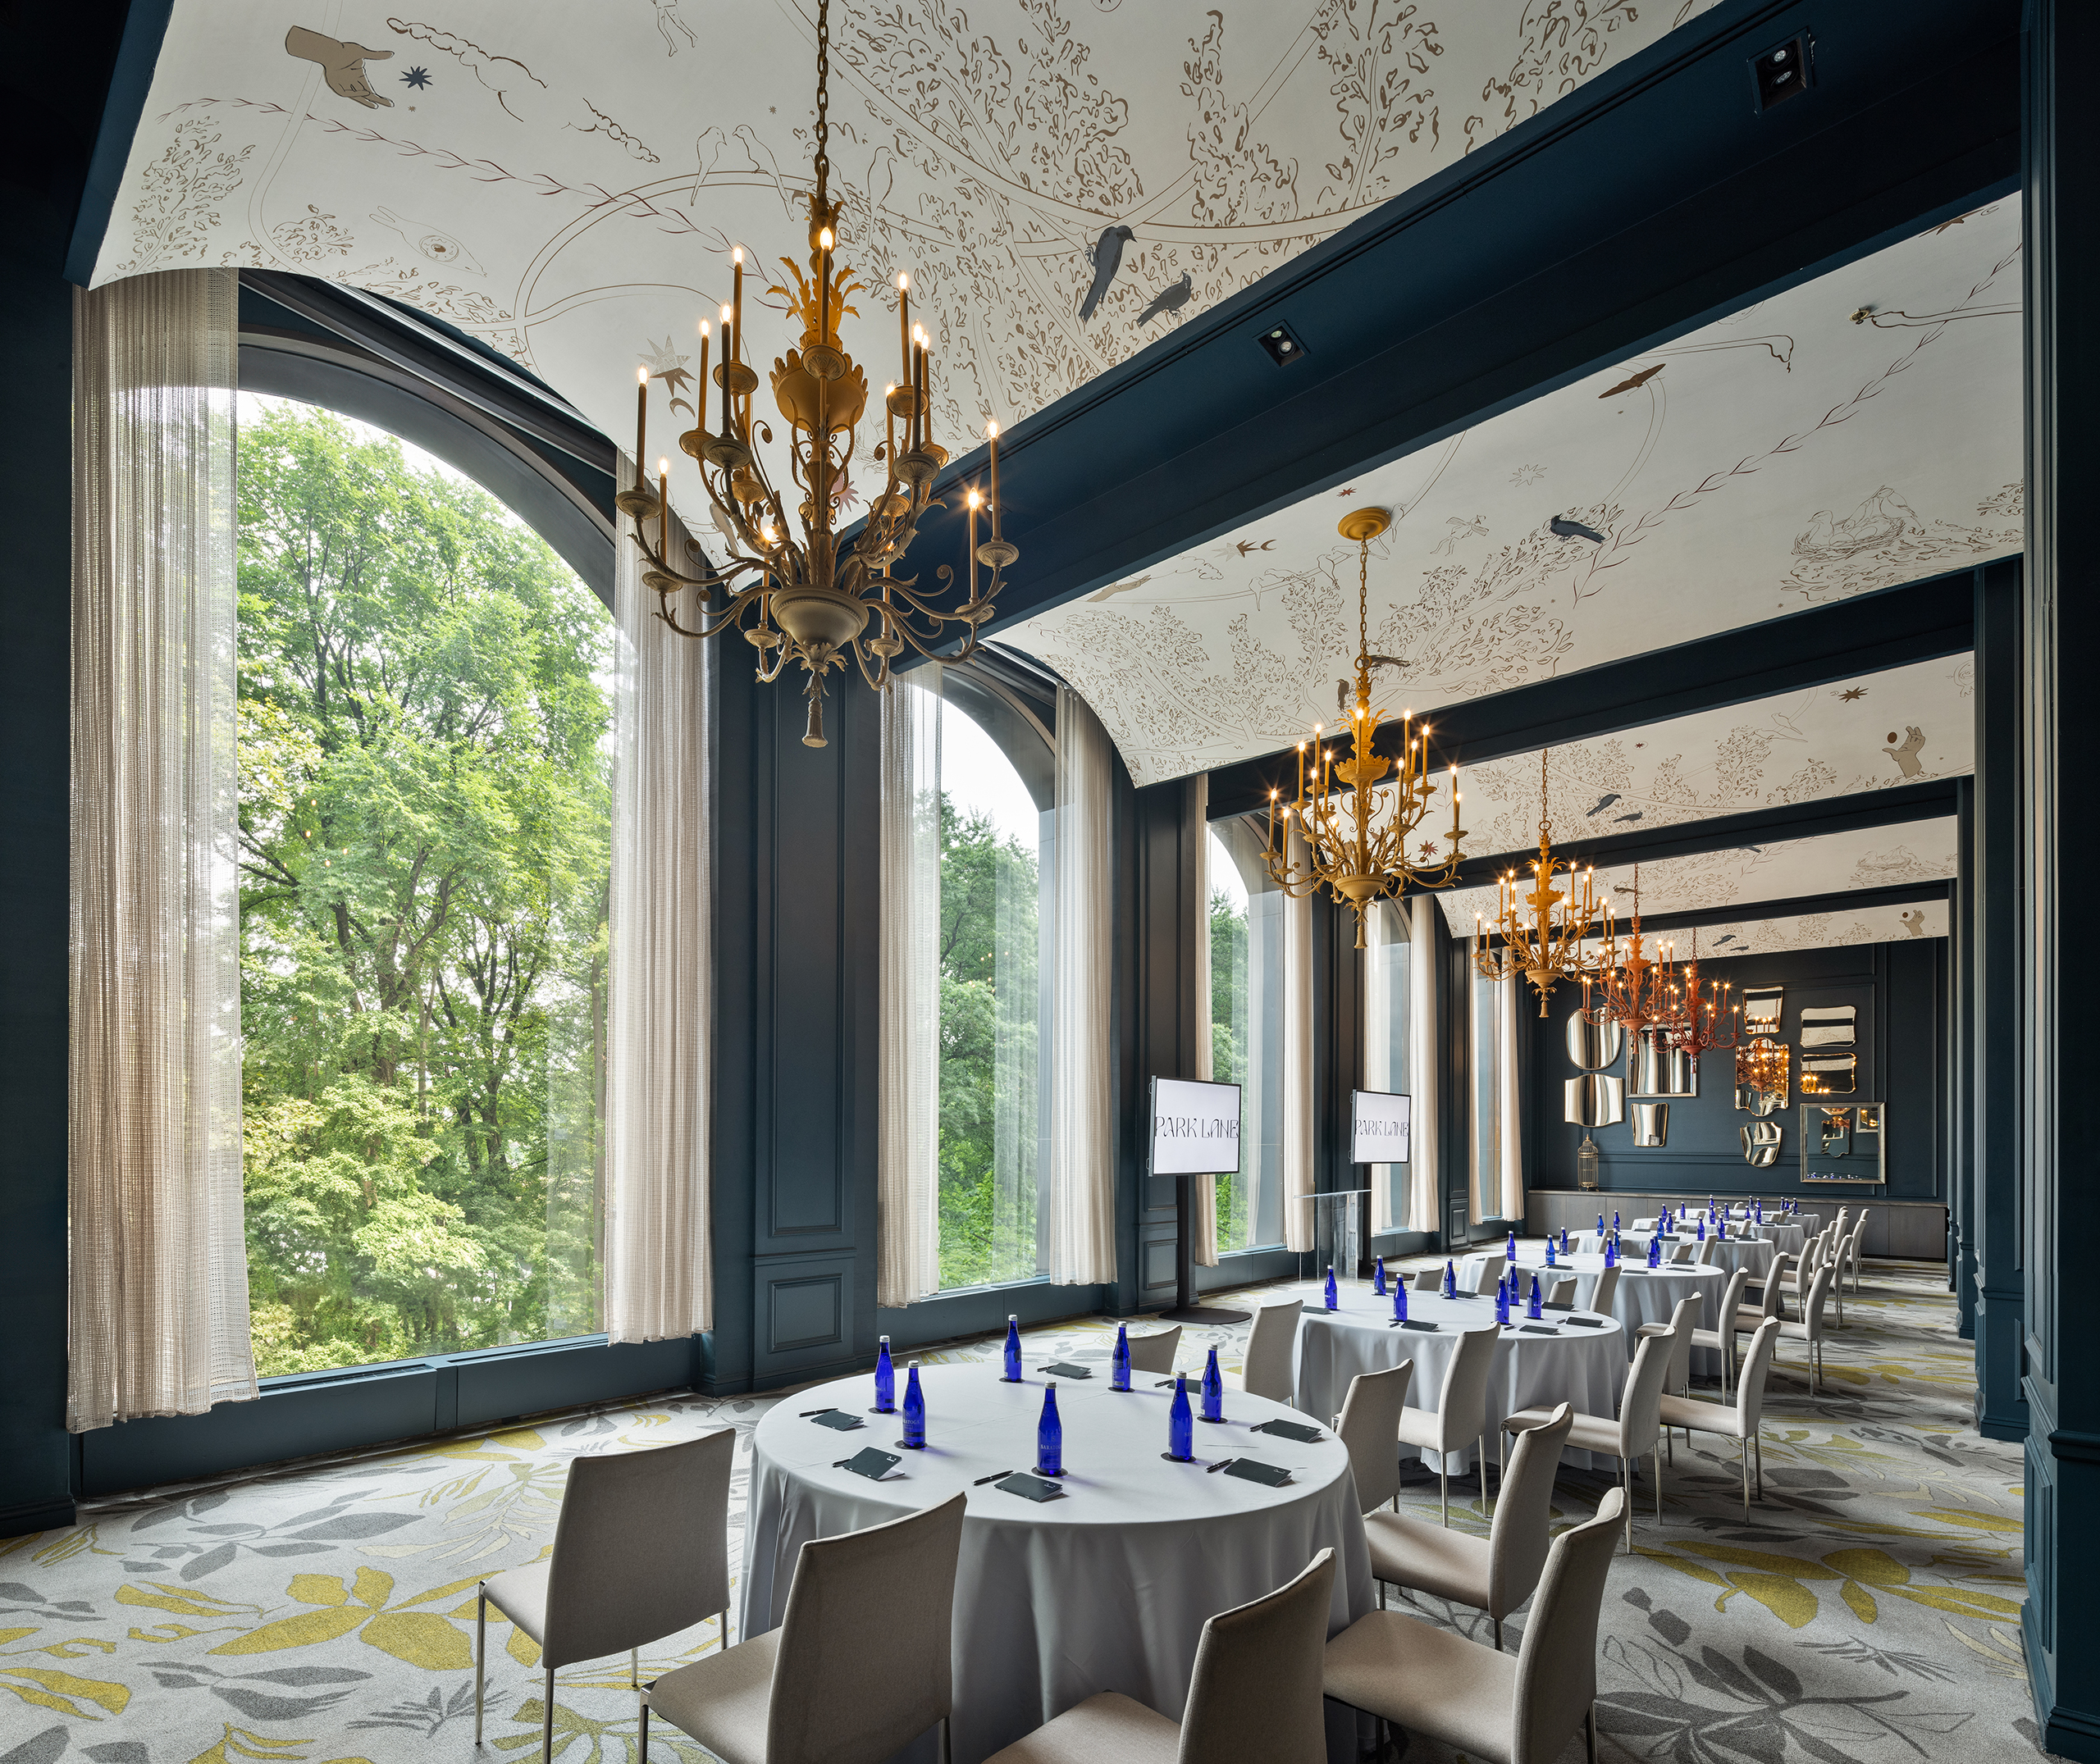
<point x="991" y="440"/>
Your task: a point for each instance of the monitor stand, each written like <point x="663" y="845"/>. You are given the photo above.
<point x="1185" y="1309"/>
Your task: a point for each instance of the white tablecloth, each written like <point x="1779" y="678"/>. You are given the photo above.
<point x="1785" y="1240"/>
<point x="1105" y="1590"/>
<point x="1639" y="1297"/>
<point x="1583" y="1366"/>
<point x="1806" y="1222"/>
<point x="1729" y="1253"/>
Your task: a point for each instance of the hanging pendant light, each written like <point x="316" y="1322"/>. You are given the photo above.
<point x="1542" y="927"/>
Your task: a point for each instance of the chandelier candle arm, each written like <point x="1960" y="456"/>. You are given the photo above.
<point x="1546" y="947"/>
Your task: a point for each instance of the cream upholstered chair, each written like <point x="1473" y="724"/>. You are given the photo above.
<point x="1268" y="1369"/>
<point x="1255" y="1694"/>
<point x="1684" y="1319"/>
<point x="1723" y="1336"/>
<point x="1855" y="1250"/>
<point x="1809" y="1329"/>
<point x="1369" y="1425"/>
<point x="1703" y="1253"/>
<point x="1682" y="1252"/>
<point x="1559" y="1291"/>
<point x="1636" y="1430"/>
<point x="641" y="1551"/>
<point x="862" y="1664"/>
<point x="1460" y="1417"/>
<point x="1519" y="1708"/>
<point x="1427" y="1280"/>
<point x="1496" y="1572"/>
<point x="1747" y="1317"/>
<point x="1155" y="1352"/>
<point x="1490" y="1273"/>
<point x="1739" y="1421"/>
<point x="1602" y="1294"/>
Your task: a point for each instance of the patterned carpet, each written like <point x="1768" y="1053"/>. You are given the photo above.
<point x="1868" y="1611"/>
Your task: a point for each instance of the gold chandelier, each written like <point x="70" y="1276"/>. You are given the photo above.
<point x="1548" y="947"/>
<point x="806" y="600"/>
<point x="1633" y="990"/>
<point x="1356" y="841"/>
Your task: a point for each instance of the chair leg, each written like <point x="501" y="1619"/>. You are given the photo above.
<point x="1498" y="1635"/>
<point x="944" y="1739"/>
<point x="634" y="1668"/>
<point x="1626" y="1479"/>
<point x="1444" y="1478"/>
<point x="1760" y="1464"/>
<point x="1479" y="1454"/>
<point x="547" y="1721"/>
<point x="1656" y="1459"/>
<point x="1745" y="1481"/>
<point x="481" y="1651"/>
<point x="1590" y="1732"/>
<point x="643" y="1756"/>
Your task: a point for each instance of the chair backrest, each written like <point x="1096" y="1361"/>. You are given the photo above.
<point x="1604" y="1291"/>
<point x="1684" y="1319"/>
<point x="1268" y="1369"/>
<point x="1681" y="1251"/>
<point x="1730" y="1297"/>
<point x="1155" y="1352"/>
<point x="1427" y="1279"/>
<point x="1486" y="1276"/>
<point x="1775" y="1284"/>
<point x="1756" y="1363"/>
<point x="1462" y="1405"/>
<point x="867" y="1646"/>
<point x="1844" y="1219"/>
<point x="1255" y="1690"/>
<point x="1557" y="1664"/>
<point x="1640" y="1403"/>
<point x="1708" y="1253"/>
<point x="1559" y="1291"/>
<point x="641" y="1548"/>
<point x="1852" y="1246"/>
<point x="1812" y="1306"/>
<point x="1518" y="1540"/>
<point x="1370" y="1427"/>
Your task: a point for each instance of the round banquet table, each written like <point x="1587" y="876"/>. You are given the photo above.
<point x="1640" y="1296"/>
<point x="1729" y="1253"/>
<point x="1585" y="1366"/>
<point x="1106" y="1589"/>
<point x="1785" y="1240"/>
<point x="1807" y="1224"/>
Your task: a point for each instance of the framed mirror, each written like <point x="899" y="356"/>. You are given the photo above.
<point x="1829" y="1074"/>
<point x="1764" y="1075"/>
<point x="1655" y="1068"/>
<point x="1651" y="1123"/>
<point x="1595" y="1100"/>
<point x="1761" y="1144"/>
<point x="1594" y="1046"/>
<point x="1844" y="1142"/>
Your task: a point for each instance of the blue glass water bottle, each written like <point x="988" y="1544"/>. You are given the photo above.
<point x="1012" y="1374"/>
<point x="1119" y="1362"/>
<point x="1450" y="1281"/>
<point x="1502" y="1305"/>
<point x="1563" y="1240"/>
<point x="1180" y="1423"/>
<point x="1213" y="1390"/>
<point x="1702" y="1231"/>
<point x="885" y="1380"/>
<point x="1513" y="1249"/>
<point x="1655" y="1252"/>
<point x="914" y="1410"/>
<point x="1332" y="1297"/>
<point x="1611" y="1252"/>
<point x="1378" y="1275"/>
<point x="1050" y="1437"/>
<point x="1400" y="1300"/>
<point x="1614" y="1219"/>
<point x="1721" y="1228"/>
<point x="1550" y="1261"/>
<point x="1536" y="1308"/>
<point x="1600" y="1224"/>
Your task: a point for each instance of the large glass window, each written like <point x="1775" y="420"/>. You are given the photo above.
<point x="1388" y="1033"/>
<point x="1490" y="998"/>
<point x="425" y="815"/>
<point x="1247" y="1031"/>
<point x="995" y="917"/>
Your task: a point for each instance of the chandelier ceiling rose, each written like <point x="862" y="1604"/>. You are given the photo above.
<point x="818" y="600"/>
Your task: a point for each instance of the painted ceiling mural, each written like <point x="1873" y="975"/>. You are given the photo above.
<point x="1817" y="931"/>
<point x="1856" y="432"/>
<point x="1064" y="181"/>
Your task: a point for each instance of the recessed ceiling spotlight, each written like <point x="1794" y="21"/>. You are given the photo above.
<point x="1282" y="344"/>
<point x="1783" y="71"/>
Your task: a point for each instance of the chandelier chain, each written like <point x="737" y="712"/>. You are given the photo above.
<point x="1364" y="602"/>
<point x="824" y="97"/>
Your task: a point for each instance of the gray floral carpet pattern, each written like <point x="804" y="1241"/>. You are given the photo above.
<point x="1868" y="1611"/>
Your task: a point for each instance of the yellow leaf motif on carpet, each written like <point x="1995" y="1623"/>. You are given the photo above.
<point x="421" y="1639"/>
<point x="61" y="1691"/>
<point x="239" y="1742"/>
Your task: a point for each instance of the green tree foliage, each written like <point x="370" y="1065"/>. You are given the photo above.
<point x="424" y="817"/>
<point x="1229" y="1031"/>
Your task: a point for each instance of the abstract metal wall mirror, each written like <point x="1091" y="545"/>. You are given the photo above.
<point x="1594" y="1046"/>
<point x="1829" y="1074"/>
<point x="1655" y="1068"/>
<point x="1763" y="1075"/>
<point x="1827" y="1025"/>
<point x="1761" y="1144"/>
<point x="1843" y="1143"/>
<point x="1651" y="1123"/>
<point x="1595" y="1099"/>
<point x="1760" y="1009"/>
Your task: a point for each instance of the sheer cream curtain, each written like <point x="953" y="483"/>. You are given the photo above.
<point x="1082" y="1198"/>
<point x="1196" y="964"/>
<point x="907" y="1253"/>
<point x="1299" y="1225"/>
<point x="1387" y="923"/>
<point x="1510" y="1113"/>
<point x="158" y="1319"/>
<point x="1425" y="1037"/>
<point x="659" y="1281"/>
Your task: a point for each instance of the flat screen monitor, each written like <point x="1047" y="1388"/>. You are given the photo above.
<point x="1381" y="1121"/>
<point x="1195" y="1128"/>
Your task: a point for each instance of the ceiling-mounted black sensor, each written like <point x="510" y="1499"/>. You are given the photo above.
<point x="1782" y="72"/>
<point x="1282" y="344"/>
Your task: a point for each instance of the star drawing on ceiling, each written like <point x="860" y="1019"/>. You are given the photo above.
<point x="1428" y="850"/>
<point x="1852" y="693"/>
<point x="417" y="77"/>
<point x="666" y="364"/>
<point x="1524" y="475"/>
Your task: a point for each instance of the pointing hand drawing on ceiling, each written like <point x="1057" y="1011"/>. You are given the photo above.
<point x="1906" y="756"/>
<point x="341" y="64"/>
<point x="439" y="248"/>
<point x="1915" y="923"/>
<point x="1170" y="298"/>
<point x="1604" y="802"/>
<point x="1107" y="256"/>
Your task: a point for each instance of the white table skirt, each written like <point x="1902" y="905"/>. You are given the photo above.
<point x="1106" y="1589"/>
<point x="1785" y="1240"/>
<point x="1639" y="1297"/>
<point x="1583" y="1366"/>
<point x="1807" y="1224"/>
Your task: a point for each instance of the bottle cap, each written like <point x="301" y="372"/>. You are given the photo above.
<point x="885" y="1341"/>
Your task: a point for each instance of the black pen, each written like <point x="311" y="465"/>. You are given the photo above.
<point x="993" y="1477"/>
<point x="807" y="1413"/>
<point x="1210" y="1470"/>
<point x="1161" y="1383"/>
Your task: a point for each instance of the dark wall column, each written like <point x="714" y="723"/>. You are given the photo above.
<point x="2059" y="1200"/>
<point x="1997" y="990"/>
<point x="1960" y="1060"/>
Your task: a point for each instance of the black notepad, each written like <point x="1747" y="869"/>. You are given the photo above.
<point x="1537" y="1329"/>
<point x="1549" y="1305"/>
<point x="871" y="1462"/>
<point x="1586" y="1323"/>
<point x="1409" y="1323"/>
<point x="1062" y="1370"/>
<point x="1269" y="1475"/>
<point x="839" y="1419"/>
<point x="1029" y="1488"/>
<point x="1297" y="1430"/>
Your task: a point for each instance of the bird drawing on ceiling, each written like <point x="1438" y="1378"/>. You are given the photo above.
<point x="1635" y="383"/>
<point x="1729" y="938"/>
<point x="1906" y="756"/>
<point x="1170" y="298"/>
<point x="1246" y="545"/>
<point x="1113" y="589"/>
<point x="1635" y="816"/>
<point x="1604" y="802"/>
<point x="1563" y="528"/>
<point x="706" y="148"/>
<point x="1107" y="257"/>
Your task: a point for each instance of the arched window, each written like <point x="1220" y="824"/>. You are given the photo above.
<point x="1246" y="1030"/>
<point x="425" y="819"/>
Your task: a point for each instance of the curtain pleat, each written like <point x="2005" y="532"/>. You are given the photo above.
<point x="659" y="1281"/>
<point x="1425" y="1037"/>
<point x="1196" y="964"/>
<point x="907" y="1254"/>
<point x="1082" y="1226"/>
<point x="1386" y="916"/>
<point x="157" y="1314"/>
<point x="1300" y="1227"/>
<point x="1510" y="1123"/>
